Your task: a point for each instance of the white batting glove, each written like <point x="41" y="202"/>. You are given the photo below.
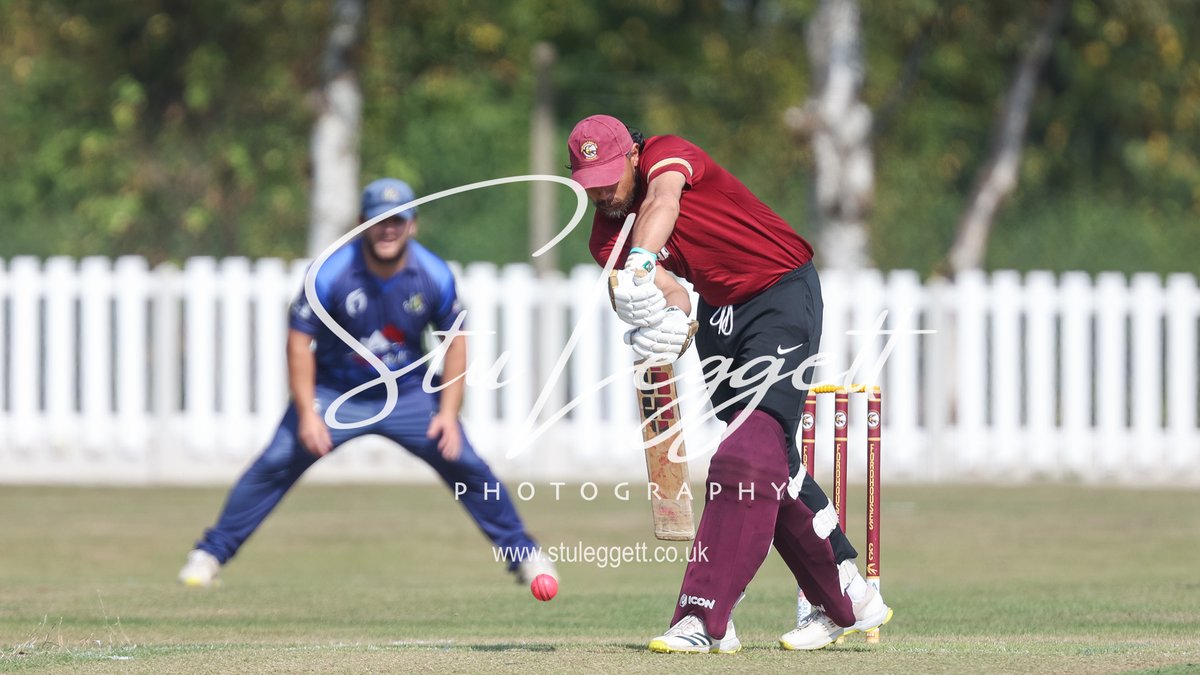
<point x="665" y="341"/>
<point x="642" y="265"/>
<point x="635" y="303"/>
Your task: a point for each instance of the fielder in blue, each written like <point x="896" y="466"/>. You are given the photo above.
<point x="383" y="288"/>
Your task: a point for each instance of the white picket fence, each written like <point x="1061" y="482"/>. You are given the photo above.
<point x="117" y="373"/>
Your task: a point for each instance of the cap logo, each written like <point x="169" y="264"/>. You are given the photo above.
<point x="390" y="195"/>
<point x="589" y="150"/>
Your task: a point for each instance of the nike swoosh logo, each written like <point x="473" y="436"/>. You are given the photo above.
<point x="789" y="350"/>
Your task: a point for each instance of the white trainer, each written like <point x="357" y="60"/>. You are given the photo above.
<point x="817" y="630"/>
<point x="690" y="636"/>
<point x="534" y="564"/>
<point x="201" y="570"/>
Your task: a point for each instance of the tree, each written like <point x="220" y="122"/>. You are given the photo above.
<point x="998" y="179"/>
<point x="543" y="202"/>
<point x="335" y="136"/>
<point x="839" y="126"/>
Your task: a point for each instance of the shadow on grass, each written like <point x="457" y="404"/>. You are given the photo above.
<point x="507" y="647"/>
<point x="634" y="647"/>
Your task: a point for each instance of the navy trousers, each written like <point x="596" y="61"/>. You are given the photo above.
<point x="284" y="460"/>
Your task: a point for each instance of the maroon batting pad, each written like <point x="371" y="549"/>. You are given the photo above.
<point x="738" y="524"/>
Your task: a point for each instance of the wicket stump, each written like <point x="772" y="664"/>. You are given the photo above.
<point x="841" y="418"/>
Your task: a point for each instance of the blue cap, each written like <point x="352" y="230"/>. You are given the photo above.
<point x="386" y="194"/>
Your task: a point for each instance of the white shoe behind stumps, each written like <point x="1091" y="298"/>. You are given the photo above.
<point x="817" y="630"/>
<point x="689" y="636"/>
<point x="201" y="570"/>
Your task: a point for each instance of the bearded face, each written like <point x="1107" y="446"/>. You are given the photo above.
<point x="616" y="201"/>
<point x="387" y="240"/>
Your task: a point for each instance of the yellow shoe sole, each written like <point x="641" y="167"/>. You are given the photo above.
<point x="661" y="647"/>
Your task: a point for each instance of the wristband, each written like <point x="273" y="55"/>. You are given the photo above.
<point x="638" y="249"/>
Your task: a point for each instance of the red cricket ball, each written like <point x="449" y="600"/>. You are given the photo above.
<point x="544" y="587"/>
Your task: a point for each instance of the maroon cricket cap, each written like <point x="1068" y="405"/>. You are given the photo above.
<point x="598" y="145"/>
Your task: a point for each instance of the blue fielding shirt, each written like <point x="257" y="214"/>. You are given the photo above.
<point x="388" y="316"/>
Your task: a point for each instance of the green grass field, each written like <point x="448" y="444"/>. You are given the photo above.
<point x="395" y="578"/>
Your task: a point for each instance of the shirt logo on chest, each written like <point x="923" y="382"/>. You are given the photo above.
<point x="388" y="344"/>
<point x="415" y="304"/>
<point x="356" y="302"/>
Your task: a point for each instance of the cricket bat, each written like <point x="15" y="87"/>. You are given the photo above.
<point x="670" y="499"/>
<point x="670" y="496"/>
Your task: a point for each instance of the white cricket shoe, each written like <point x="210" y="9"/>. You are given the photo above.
<point x="201" y="569"/>
<point x="689" y="636"/>
<point x="817" y="630"/>
<point x="533" y="565"/>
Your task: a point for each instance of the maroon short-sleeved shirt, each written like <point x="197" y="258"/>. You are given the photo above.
<point x="726" y="242"/>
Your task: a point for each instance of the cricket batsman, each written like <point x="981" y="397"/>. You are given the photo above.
<point x="759" y="297"/>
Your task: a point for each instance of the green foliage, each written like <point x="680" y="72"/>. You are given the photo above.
<point x="153" y="127"/>
<point x="1110" y="169"/>
<point x="172" y="129"/>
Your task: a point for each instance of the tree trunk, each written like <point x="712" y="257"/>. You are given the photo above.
<point x="335" y="138"/>
<point x="543" y="206"/>
<point x="998" y="179"/>
<point x="839" y="126"/>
